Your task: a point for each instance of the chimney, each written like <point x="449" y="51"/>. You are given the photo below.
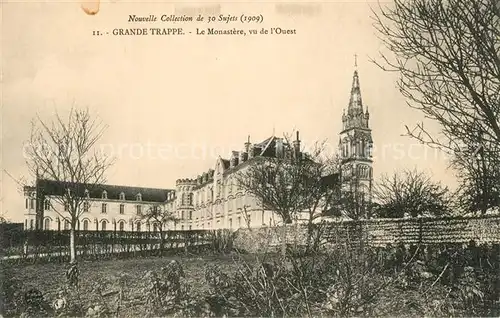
<point x="296" y="146"/>
<point x="234" y="159"/>
<point x="247" y="145"/>
<point x="242" y="157"/>
<point x="279" y="148"/>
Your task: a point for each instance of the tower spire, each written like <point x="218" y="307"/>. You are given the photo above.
<point x="355" y="101"/>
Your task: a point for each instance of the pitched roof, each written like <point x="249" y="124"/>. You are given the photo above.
<point x="52" y="187"/>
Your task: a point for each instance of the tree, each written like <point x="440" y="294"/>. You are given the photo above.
<point x="446" y="53"/>
<point x="410" y="193"/>
<point x="351" y="201"/>
<point x="160" y="217"/>
<point x="292" y="183"/>
<point x="288" y="184"/>
<point x="64" y="151"/>
<point x="479" y="190"/>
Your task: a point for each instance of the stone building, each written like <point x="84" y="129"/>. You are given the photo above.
<point x="212" y="200"/>
<point x="105" y="207"/>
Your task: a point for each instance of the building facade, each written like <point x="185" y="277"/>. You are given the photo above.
<point x="212" y="200"/>
<point x="103" y="207"/>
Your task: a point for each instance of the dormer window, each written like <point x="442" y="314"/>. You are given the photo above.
<point x="138" y="197"/>
<point x="104" y="194"/>
<point x="122" y="196"/>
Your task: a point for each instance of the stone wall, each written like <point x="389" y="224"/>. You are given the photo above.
<point x="380" y="232"/>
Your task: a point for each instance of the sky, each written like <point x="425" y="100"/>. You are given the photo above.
<point x="197" y="96"/>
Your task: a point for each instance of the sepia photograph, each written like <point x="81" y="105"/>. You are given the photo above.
<point x="250" y="159"/>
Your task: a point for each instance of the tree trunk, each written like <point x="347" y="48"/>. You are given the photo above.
<point x="72" y="247"/>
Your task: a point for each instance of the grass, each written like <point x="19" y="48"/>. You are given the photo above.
<point x="49" y="278"/>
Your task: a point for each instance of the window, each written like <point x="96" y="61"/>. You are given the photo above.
<point x="47" y="205"/>
<point x="122" y="196"/>
<point x="138" y="226"/>
<point x="86" y="206"/>
<point x="31" y="225"/>
<point x="103" y="225"/>
<point x="104" y="194"/>
<point x="138" y="197"/>
<point x="239" y="221"/>
<point x="46" y="225"/>
<point x="148" y="227"/>
<point x="122" y="208"/>
<point x="87" y="195"/>
<point x="32" y="203"/>
<point x="122" y="225"/>
<point x="182" y="227"/>
<point x="190" y="199"/>
<point x="66" y="224"/>
<point x="230" y="223"/>
<point x="27" y="203"/>
<point x="25" y="224"/>
<point x="103" y="208"/>
<point x="139" y="209"/>
<point x="155" y="227"/>
<point x="263" y="221"/>
<point x="66" y="206"/>
<point x="182" y="215"/>
<point x="190" y="227"/>
<point x="85" y="225"/>
<point x="190" y="215"/>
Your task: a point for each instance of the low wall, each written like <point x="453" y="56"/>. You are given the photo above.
<point x="380" y="232"/>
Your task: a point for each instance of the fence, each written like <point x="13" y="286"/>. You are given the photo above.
<point x="381" y="232"/>
<point x="51" y="245"/>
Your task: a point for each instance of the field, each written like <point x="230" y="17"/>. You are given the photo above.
<point x="104" y="277"/>
<point x="340" y="281"/>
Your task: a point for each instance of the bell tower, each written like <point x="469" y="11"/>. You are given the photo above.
<point x="355" y="148"/>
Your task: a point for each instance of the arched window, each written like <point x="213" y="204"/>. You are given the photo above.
<point x="155" y="227"/>
<point x="46" y="224"/>
<point x="85" y="225"/>
<point x="87" y="194"/>
<point x="122" y="196"/>
<point x="31" y="225"/>
<point x="138" y="226"/>
<point x="190" y="199"/>
<point x="103" y="225"/>
<point x="138" y="197"/>
<point x="66" y="224"/>
<point x="122" y="225"/>
<point x="104" y="194"/>
<point x="47" y="204"/>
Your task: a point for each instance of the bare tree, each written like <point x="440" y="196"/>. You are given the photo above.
<point x="290" y="183"/>
<point x="446" y="53"/>
<point x="350" y="201"/>
<point x="160" y="217"/>
<point x="64" y="151"/>
<point x="293" y="183"/>
<point x="410" y="193"/>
